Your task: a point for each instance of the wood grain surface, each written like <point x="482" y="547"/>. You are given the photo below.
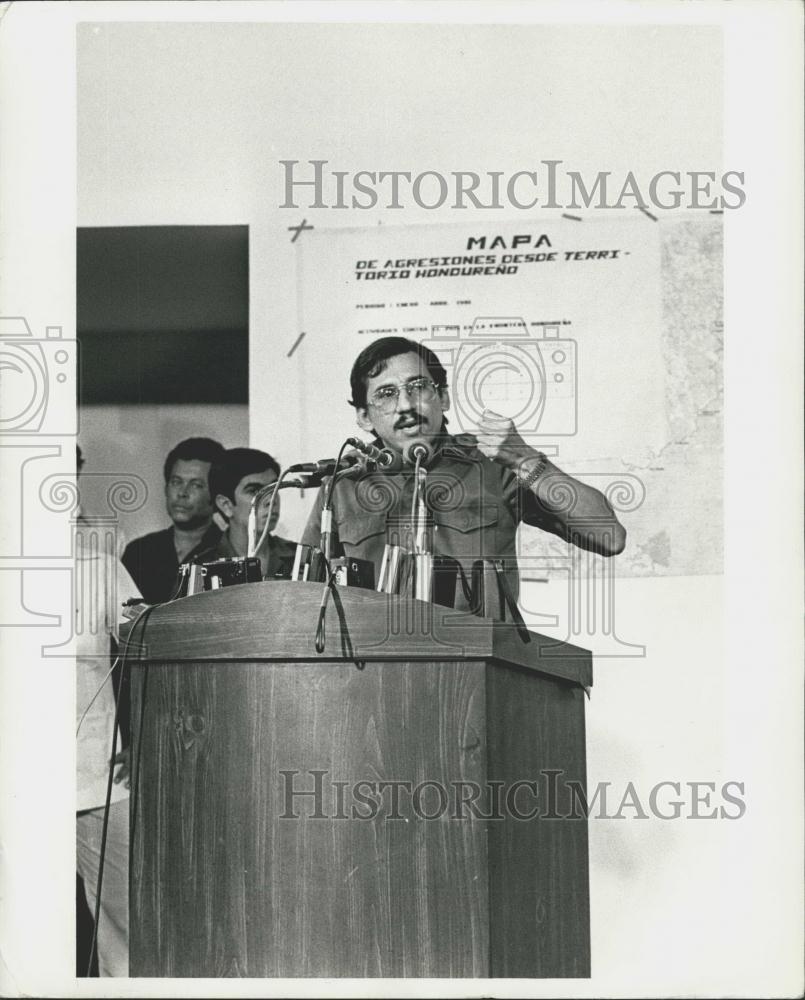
<point x="277" y="620"/>
<point x="231" y="877"/>
<point x="538" y="869"/>
<point x="223" y="886"/>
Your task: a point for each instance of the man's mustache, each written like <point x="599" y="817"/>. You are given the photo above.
<point x="405" y="419"/>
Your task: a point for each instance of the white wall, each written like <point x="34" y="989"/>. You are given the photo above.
<point x="186" y="123"/>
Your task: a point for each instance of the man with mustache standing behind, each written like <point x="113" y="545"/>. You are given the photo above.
<point x="481" y="487"/>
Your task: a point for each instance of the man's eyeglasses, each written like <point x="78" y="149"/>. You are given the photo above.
<point x="420" y="389"/>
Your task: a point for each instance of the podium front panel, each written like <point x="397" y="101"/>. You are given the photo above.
<point x="354" y="818"/>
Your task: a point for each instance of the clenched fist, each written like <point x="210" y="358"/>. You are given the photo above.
<point x="500" y="440"/>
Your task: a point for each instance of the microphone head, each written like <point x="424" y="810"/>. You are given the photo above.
<point x="418" y="451"/>
<point x="365" y="448"/>
<point x="349" y="460"/>
<point x="304" y="467"/>
<point x="388" y="459"/>
<point x="325" y="466"/>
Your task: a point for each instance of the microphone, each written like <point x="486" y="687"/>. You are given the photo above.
<point x="326" y="466"/>
<point x="315" y="472"/>
<point x="305" y="467"/>
<point x="321" y="467"/>
<point x="367" y="456"/>
<point x="418" y="452"/>
<point x="383" y="457"/>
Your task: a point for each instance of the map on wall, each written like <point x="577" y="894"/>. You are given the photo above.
<point x="600" y="340"/>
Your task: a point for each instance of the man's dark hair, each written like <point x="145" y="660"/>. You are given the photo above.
<point x="236" y="463"/>
<point x="372" y="361"/>
<point x="193" y="450"/>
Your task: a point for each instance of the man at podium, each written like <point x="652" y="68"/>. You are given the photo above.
<point x="479" y="487"/>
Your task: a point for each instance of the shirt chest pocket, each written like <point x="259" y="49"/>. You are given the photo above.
<point x="361" y="511"/>
<point x="474" y="517"/>
<point x="356" y="530"/>
<point x="481" y="527"/>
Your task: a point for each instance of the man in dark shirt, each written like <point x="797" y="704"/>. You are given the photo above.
<point x="235" y="478"/>
<point x="479" y="487"/>
<point x="153" y="560"/>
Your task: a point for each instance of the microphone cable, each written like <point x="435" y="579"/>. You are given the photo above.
<point x="101" y="686"/>
<point x="328" y="493"/>
<point x="321" y="627"/>
<point x="142" y="617"/>
<point x="274" y="489"/>
<point x="326" y="535"/>
<point x="111" y="670"/>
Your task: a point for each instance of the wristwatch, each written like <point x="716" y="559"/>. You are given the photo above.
<point x="536" y="472"/>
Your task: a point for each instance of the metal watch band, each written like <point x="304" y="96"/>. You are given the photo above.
<point x="535" y="473"/>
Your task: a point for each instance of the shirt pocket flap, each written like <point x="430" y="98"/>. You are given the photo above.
<point x="471" y="516"/>
<point x="355" y="529"/>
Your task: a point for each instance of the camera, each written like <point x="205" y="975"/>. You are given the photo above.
<point x="37" y="380"/>
<point x="193" y="578"/>
<point x="528" y="376"/>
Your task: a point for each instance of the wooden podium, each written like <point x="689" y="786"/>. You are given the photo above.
<point x="396" y="806"/>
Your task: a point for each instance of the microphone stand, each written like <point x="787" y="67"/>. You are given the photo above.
<point x="369" y="458"/>
<point x="308" y="474"/>
<point x="423" y="548"/>
<point x="326" y="533"/>
<point x="273" y="489"/>
<point x="326" y="526"/>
